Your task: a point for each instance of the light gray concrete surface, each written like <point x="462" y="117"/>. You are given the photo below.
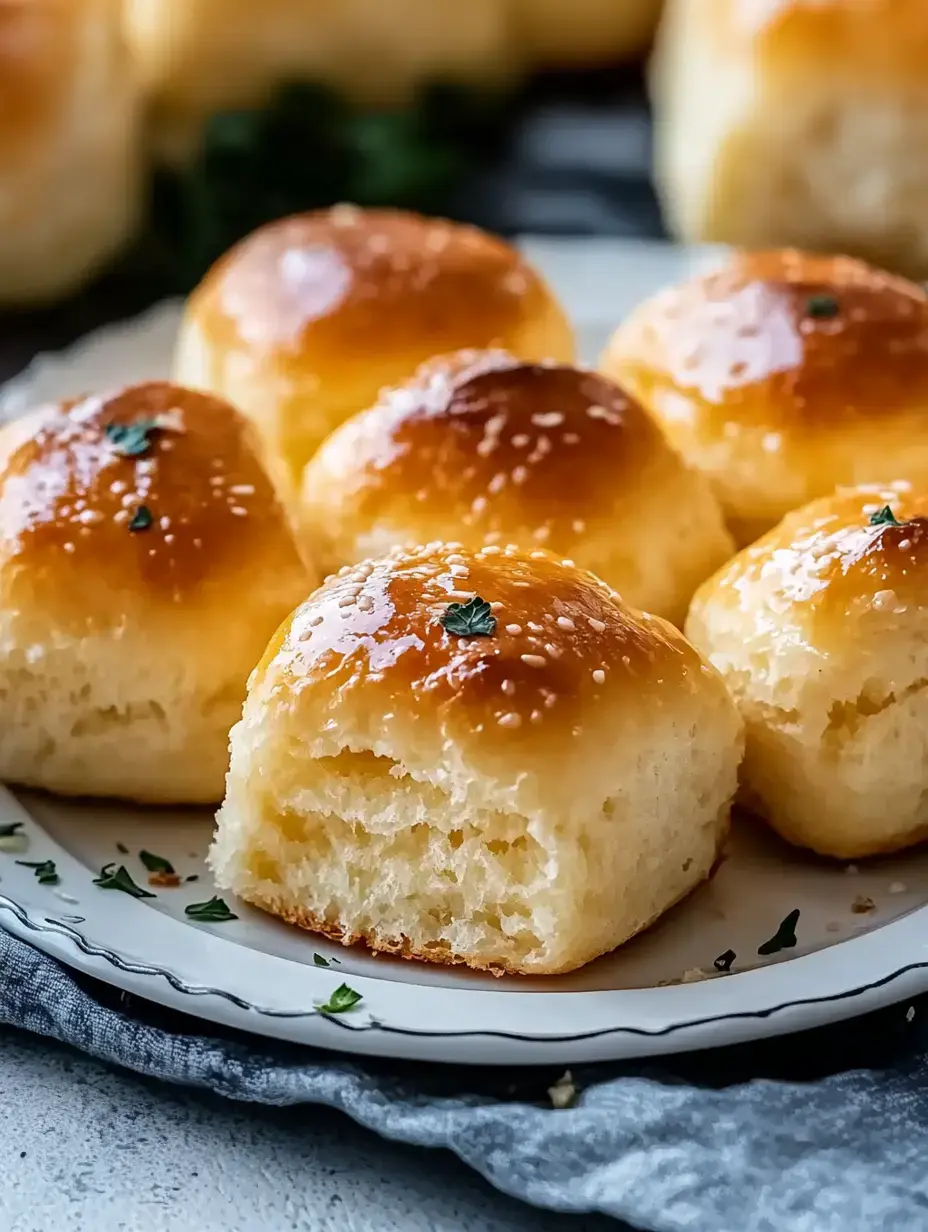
<point x="87" y="1148"/>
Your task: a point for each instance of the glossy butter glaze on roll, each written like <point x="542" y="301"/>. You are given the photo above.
<point x="144" y="562"/>
<point x="484" y="448"/>
<point x="519" y="792"/>
<point x="304" y="322"/>
<point x="783" y="375"/>
<point x="819" y="630"/>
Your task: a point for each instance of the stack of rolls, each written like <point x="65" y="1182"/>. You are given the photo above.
<point x="484" y="738"/>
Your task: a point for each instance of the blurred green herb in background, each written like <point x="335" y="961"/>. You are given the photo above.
<point x="309" y="149"/>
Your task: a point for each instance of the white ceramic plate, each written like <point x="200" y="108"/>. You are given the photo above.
<point x="861" y="935"/>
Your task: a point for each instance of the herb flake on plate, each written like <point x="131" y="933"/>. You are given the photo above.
<point x="9" y="829"/>
<point x="155" y="864"/>
<point x="724" y="961"/>
<point x="215" y="911"/>
<point x="341" y="1000"/>
<point x="12" y="839"/>
<point x="320" y="961"/>
<point x="471" y="619"/>
<point x="784" y="938"/>
<point x="120" y="880"/>
<point x="45" y="871"/>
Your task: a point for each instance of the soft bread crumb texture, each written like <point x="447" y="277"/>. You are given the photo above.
<point x="521" y="802"/>
<point x="485" y="448"/>
<point x="303" y="323"/>
<point x="124" y="654"/>
<point x="793" y="122"/>
<point x="782" y="375"/>
<point x="819" y="630"/>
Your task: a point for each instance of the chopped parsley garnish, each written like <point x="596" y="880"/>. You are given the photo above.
<point x="341" y="1000"/>
<point x="131" y="440"/>
<point x="784" y="938"/>
<point x="9" y="829"/>
<point x="884" y="517"/>
<point x="141" y="519"/>
<point x="823" y="307"/>
<point x="213" y="912"/>
<point x="319" y="961"/>
<point x="724" y="961"/>
<point x="156" y="864"/>
<point x="193" y="877"/>
<point x="471" y="619"/>
<point x="45" y="871"/>
<point x="122" y="849"/>
<point x="120" y="880"/>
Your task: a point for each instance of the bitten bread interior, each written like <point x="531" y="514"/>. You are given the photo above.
<point x="476" y="758"/>
<point x="819" y="630"/>
<point x="487" y="449"/>
<point x="782" y="375"/>
<point x="144" y="562"/>
<point x="303" y="323"/>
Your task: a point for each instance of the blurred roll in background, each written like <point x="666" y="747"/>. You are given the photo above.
<point x="139" y="139"/>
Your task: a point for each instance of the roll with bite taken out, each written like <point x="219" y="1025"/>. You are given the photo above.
<point x="819" y="630"/>
<point x="144" y="562"/>
<point x="782" y="375"/>
<point x="485" y="448"/>
<point x="305" y="321"/>
<point x="476" y="758"/>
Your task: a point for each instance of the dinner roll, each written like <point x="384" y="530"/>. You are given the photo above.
<point x="819" y="632"/>
<point x="304" y="322"/>
<point x="70" y="170"/>
<point x="144" y="562"/>
<point x="197" y="57"/>
<point x="589" y="32"/>
<point x="793" y="122"/>
<point x="782" y="375"/>
<point x="482" y="447"/>
<point x="476" y="758"/>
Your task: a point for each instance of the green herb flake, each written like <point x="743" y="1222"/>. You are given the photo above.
<point x="341" y="1000"/>
<point x="10" y="829"/>
<point x="141" y="519"/>
<point x="320" y="961"/>
<point x="822" y="307"/>
<point x="193" y="877"/>
<point x="131" y="440"/>
<point x="884" y="517"/>
<point x="120" y="880"/>
<point x="214" y="912"/>
<point x="156" y="864"/>
<point x="122" y="849"/>
<point x="724" y="961"/>
<point x="45" y="871"/>
<point x="784" y="938"/>
<point x="471" y="619"/>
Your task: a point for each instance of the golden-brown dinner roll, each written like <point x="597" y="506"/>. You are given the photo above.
<point x="196" y="57"/>
<point x="144" y="563"/>
<point x="783" y="375"/>
<point x="486" y="449"/>
<point x="796" y="122"/>
<point x="70" y="167"/>
<point x="520" y="788"/>
<point x="585" y="32"/>
<point x="304" y="322"/>
<point x="819" y="632"/>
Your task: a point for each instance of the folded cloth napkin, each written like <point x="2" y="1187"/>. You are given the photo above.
<point x="821" y="1132"/>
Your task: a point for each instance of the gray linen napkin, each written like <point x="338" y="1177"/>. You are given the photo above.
<point x="833" y="1137"/>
